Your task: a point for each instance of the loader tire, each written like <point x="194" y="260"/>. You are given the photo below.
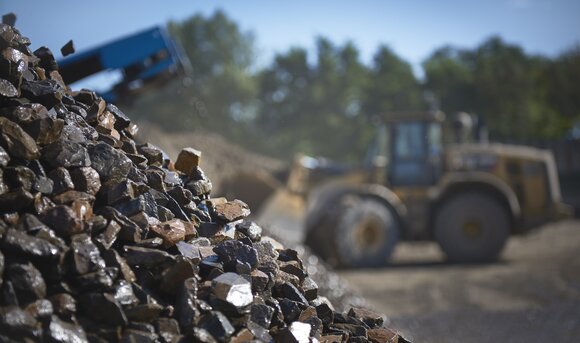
<point x="359" y="233"/>
<point x="472" y="228"/>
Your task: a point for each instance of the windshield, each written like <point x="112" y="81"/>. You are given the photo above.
<point x="409" y="141"/>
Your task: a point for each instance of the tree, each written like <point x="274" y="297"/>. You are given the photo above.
<point x="220" y="93"/>
<point x="314" y="108"/>
<point x="392" y="86"/>
<point x="512" y="91"/>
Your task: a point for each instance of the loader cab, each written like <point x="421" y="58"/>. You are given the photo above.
<point x="415" y="148"/>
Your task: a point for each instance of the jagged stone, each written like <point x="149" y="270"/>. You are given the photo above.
<point x="102" y="307"/>
<point x="68" y="154"/>
<point x="16" y="141"/>
<point x="27" y="281"/>
<point x="86" y="179"/>
<point x="232" y="210"/>
<point x="40" y="309"/>
<point x="111" y="164"/>
<point x="232" y="289"/>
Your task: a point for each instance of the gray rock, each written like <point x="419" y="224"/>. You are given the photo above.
<point x="102" y="307"/>
<point x="111" y="164"/>
<point x="68" y="154"/>
<point x="27" y="282"/>
<point x="86" y="258"/>
<point x="61" y="331"/>
<point x="232" y="289"/>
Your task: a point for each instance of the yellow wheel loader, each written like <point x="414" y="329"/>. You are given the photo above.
<point x="468" y="197"/>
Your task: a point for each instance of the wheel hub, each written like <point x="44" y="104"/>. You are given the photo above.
<point x="369" y="234"/>
<point x="472" y="229"/>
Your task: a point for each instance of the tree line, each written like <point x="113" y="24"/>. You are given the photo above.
<point x="324" y="102"/>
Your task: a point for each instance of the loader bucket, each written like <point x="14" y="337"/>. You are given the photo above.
<point x="283" y="214"/>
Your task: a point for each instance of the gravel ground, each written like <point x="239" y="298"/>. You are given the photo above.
<point x="531" y="295"/>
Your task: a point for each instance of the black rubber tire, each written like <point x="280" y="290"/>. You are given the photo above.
<point x="358" y="233"/>
<point x="492" y="228"/>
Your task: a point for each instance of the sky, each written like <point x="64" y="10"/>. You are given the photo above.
<point x="412" y="28"/>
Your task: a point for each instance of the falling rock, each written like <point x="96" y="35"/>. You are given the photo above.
<point x="68" y="48"/>
<point x="16" y="141"/>
<point x="9" y="19"/>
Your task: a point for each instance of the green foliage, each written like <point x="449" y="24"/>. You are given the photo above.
<point x="323" y="102"/>
<point x="519" y="96"/>
<point x="325" y="108"/>
<point x="220" y="93"/>
<point x="392" y="86"/>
